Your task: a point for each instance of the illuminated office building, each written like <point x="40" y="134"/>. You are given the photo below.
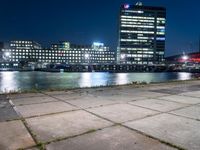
<point x="141" y="34"/>
<point x="63" y="52"/>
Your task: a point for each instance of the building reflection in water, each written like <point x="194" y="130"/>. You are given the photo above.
<point x="8" y="82"/>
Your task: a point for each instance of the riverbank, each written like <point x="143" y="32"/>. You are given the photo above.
<point x="154" y="116"/>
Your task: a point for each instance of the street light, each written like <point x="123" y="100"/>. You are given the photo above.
<point x="7" y="54"/>
<point x="123" y="56"/>
<point x="87" y="56"/>
<point x="185" y="57"/>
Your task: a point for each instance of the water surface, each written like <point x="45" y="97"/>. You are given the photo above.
<point x="16" y="81"/>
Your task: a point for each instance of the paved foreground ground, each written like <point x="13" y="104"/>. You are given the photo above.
<point x="162" y="116"/>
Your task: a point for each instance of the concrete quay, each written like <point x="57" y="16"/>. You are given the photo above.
<point x="164" y="116"/>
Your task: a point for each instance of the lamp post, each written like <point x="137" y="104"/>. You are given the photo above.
<point x="6" y="55"/>
<point x="123" y="57"/>
<point x="87" y="59"/>
<point x="185" y="59"/>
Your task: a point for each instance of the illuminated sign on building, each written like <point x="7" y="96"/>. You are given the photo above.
<point x="126" y="6"/>
<point x="160" y="38"/>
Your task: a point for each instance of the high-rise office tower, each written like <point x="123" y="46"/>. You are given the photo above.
<point x="141" y="34"/>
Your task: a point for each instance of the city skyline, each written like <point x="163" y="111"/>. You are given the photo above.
<point x="73" y="21"/>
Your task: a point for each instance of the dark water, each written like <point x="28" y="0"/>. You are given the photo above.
<point x="16" y="81"/>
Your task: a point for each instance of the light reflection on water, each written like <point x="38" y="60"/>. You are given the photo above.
<point x="14" y="81"/>
<point x="8" y="81"/>
<point x="122" y="78"/>
<point x="184" y="76"/>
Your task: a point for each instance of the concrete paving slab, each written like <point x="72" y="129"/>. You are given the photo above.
<point x="33" y="100"/>
<point x="181" y="99"/>
<point x="44" y="109"/>
<point x="169" y="91"/>
<point x="113" y="138"/>
<point x="14" y="135"/>
<point x="70" y="96"/>
<point x="159" y="105"/>
<point x="148" y="94"/>
<point x="121" y="98"/>
<point x="24" y="95"/>
<point x="7" y="112"/>
<point x="32" y="149"/>
<point x="122" y="112"/>
<point x="48" y="128"/>
<point x="90" y="102"/>
<point x="176" y="130"/>
<point x="191" y="112"/>
<point x="107" y="92"/>
<point x="52" y="93"/>
<point x="192" y="94"/>
<point x="179" y="89"/>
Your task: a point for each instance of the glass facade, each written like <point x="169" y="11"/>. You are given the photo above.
<point x="141" y="34"/>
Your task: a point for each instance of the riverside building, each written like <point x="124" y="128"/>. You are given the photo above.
<point x="141" y="34"/>
<point x="64" y="52"/>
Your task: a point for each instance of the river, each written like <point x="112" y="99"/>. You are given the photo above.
<point x="19" y="81"/>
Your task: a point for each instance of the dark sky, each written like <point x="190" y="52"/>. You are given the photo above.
<point x="85" y="21"/>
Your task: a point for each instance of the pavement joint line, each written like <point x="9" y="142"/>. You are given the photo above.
<point x="152" y="96"/>
<point x="91" y="107"/>
<point x="15" y="109"/>
<point x="56" y="113"/>
<point x="21" y="116"/>
<point x="146" y="135"/>
<point x="37" y="103"/>
<point x="167" y="112"/>
<point x="9" y="95"/>
<point x="99" y="116"/>
<point x="177" y="102"/>
<point x="61" y="100"/>
<point x="132" y="120"/>
<point x="114" y="124"/>
<point x="30" y="131"/>
<point x="183" y="116"/>
<point x="170" y="112"/>
<point x="73" y="136"/>
<point x="67" y="101"/>
<point x="145" y="107"/>
<point x="187" y="105"/>
<point x="189" y="95"/>
<point x="152" y="137"/>
<point x="86" y="109"/>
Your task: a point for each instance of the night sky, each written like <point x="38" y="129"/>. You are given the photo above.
<point x="85" y="21"/>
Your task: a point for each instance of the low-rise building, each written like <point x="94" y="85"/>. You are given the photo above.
<point x="20" y="52"/>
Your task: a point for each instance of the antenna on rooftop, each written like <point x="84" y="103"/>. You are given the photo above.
<point x="139" y="4"/>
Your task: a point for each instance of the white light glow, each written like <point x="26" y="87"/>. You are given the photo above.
<point x="98" y="44"/>
<point x="7" y="54"/>
<point x="185" y="57"/>
<point x="87" y="56"/>
<point x="123" y="56"/>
